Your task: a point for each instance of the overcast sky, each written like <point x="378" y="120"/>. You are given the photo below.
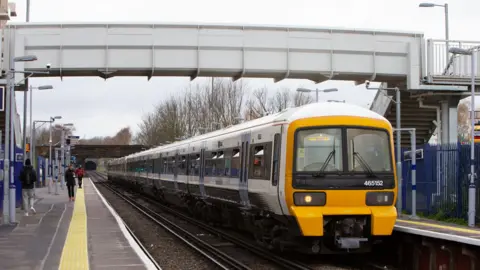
<point x="99" y="108"/>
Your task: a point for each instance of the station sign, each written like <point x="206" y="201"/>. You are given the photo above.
<point x="407" y="155"/>
<point x="72" y="140"/>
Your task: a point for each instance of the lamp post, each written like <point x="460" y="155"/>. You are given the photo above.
<point x="471" y="187"/>
<point x="50" y="163"/>
<point x="305" y="90"/>
<point x="33" y="146"/>
<point x="445" y="6"/>
<point x="9" y="205"/>
<point x="43" y="87"/>
<point x="62" y="157"/>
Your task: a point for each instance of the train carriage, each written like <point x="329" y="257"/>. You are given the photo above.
<point x="320" y="177"/>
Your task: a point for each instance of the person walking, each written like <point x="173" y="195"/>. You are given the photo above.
<point x="70" y="180"/>
<point x="28" y="178"/>
<point x="79" y="172"/>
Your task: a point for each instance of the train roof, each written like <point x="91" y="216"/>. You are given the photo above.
<point x="320" y="109"/>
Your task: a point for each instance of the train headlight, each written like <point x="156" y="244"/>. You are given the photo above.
<point x="309" y="198"/>
<point x="379" y="198"/>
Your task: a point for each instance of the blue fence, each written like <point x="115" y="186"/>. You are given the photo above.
<point x="442" y="181"/>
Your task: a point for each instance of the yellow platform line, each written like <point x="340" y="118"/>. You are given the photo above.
<point x="438" y="226"/>
<point x="75" y="250"/>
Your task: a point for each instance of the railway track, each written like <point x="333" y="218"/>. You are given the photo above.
<point x="359" y="262"/>
<point x="211" y="251"/>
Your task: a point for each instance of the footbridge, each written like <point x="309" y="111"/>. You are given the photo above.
<point x="400" y="59"/>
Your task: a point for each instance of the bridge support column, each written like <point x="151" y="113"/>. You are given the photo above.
<point x="449" y="119"/>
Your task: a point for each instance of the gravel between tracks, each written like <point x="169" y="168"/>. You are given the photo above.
<point x="169" y="252"/>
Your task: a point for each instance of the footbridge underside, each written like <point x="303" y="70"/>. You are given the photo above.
<point x="318" y="54"/>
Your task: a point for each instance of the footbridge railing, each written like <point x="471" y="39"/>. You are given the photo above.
<point x="456" y="69"/>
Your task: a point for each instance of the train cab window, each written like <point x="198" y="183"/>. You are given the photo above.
<point x="235" y="163"/>
<point x="318" y="149"/>
<point x="259" y="159"/>
<point x="368" y="149"/>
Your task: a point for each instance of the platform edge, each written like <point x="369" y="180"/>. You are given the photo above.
<point x="438" y="235"/>
<point x="135" y="246"/>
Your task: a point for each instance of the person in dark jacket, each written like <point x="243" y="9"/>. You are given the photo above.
<point x="70" y="180"/>
<point x="28" y="177"/>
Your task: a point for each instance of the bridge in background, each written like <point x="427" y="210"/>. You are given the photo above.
<point x="124" y="49"/>
<point x="85" y="151"/>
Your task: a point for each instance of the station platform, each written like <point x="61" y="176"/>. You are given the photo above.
<point x="84" y="234"/>
<point x="438" y="230"/>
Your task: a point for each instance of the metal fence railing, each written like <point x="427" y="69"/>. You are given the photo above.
<point x="454" y="66"/>
<point x="442" y="181"/>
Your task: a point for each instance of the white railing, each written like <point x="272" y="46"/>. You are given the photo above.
<point x="380" y="102"/>
<point x="456" y="66"/>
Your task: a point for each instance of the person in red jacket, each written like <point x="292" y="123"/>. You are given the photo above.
<point x="79" y="172"/>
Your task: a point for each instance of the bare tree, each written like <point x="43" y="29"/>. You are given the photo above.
<point x="122" y="137"/>
<point x="42" y="134"/>
<point x="463" y="118"/>
<point x="209" y="106"/>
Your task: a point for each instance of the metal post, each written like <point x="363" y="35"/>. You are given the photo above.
<point x="316" y="92"/>
<point x="12" y="203"/>
<point x="55" y="172"/>
<point x="28" y="10"/>
<point x="31" y="123"/>
<point x="472" y="188"/>
<point x="62" y="158"/>
<point x="5" y="186"/>
<point x="50" y="165"/>
<point x="447" y="43"/>
<point x="399" y="152"/>
<point x="24" y="129"/>
<point x="413" y="138"/>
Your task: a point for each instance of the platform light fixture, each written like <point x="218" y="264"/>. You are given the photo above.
<point x="447" y="37"/>
<point x="31" y="88"/>
<point x="9" y="209"/>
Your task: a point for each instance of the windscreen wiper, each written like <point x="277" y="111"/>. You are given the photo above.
<point x="364" y="165"/>
<point x="321" y="172"/>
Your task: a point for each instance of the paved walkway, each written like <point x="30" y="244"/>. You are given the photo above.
<point x="36" y="242"/>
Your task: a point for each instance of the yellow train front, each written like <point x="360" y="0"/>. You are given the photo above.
<point x="340" y="181"/>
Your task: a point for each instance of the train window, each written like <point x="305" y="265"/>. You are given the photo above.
<point x="368" y="149"/>
<point x="227" y="162"/>
<point x="220" y="164"/>
<point x="318" y="149"/>
<point x="235" y="163"/>
<point x="182" y="165"/>
<point x="194" y="164"/>
<point x="210" y="163"/>
<point x="258" y="165"/>
<point x="276" y="159"/>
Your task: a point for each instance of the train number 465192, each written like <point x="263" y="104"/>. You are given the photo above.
<point x="373" y="183"/>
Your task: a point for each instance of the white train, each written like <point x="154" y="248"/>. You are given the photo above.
<point x="320" y="177"/>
